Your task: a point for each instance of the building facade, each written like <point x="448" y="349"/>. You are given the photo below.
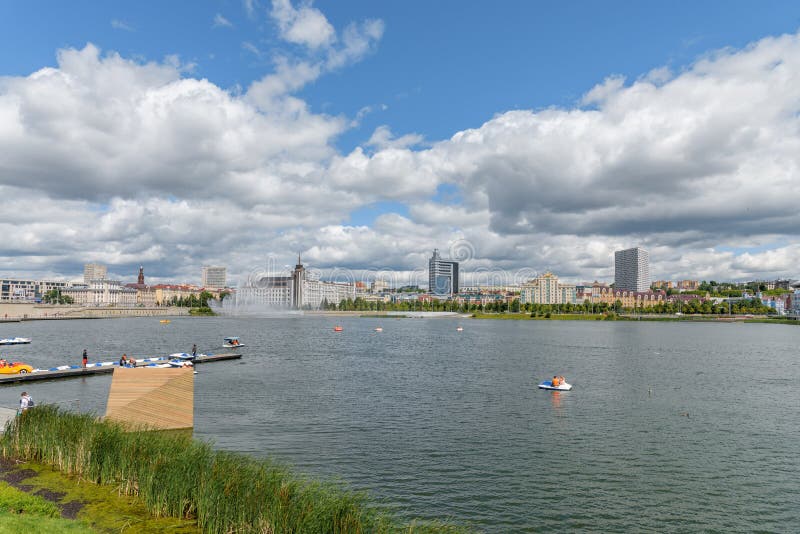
<point x="632" y="269"/>
<point x="546" y="289"/>
<point x="442" y="275"/>
<point x="629" y="299"/>
<point x="214" y="277"/>
<point x="27" y="290"/>
<point x="688" y="285"/>
<point x="101" y="292"/>
<point x="295" y="291"/>
<point x="94" y="271"/>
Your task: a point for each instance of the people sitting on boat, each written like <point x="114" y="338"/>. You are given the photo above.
<point x="123" y="361"/>
<point x="556" y="382"/>
<point x="3" y="362"/>
<point x="132" y="361"/>
<point x="235" y="342"/>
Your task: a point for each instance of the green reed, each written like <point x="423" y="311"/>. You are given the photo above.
<point x="177" y="476"/>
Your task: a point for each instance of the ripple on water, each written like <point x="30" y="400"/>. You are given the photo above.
<point x="671" y="427"/>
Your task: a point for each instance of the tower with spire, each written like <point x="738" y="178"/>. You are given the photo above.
<point x="298" y="281"/>
<point x="140" y="280"/>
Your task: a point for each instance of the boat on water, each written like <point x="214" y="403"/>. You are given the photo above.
<point x="183" y="356"/>
<point x="180" y="363"/>
<point x="164" y="321"/>
<point x="337" y="328"/>
<point x="15" y="341"/>
<point x="232" y="343"/>
<point x="379" y="329"/>
<point x="548" y="384"/>
<point x="460" y="329"/>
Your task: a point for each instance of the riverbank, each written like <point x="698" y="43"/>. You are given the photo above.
<point x="627" y="317"/>
<point x="15" y="312"/>
<point x="53" y="502"/>
<point x="177" y="477"/>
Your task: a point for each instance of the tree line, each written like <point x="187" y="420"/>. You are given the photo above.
<point x="694" y="306"/>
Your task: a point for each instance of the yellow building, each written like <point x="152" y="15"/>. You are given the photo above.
<point x="629" y="299"/>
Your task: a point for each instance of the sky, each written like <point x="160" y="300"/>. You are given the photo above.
<point x="516" y="136"/>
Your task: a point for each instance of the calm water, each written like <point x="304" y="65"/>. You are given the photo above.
<point x="670" y="426"/>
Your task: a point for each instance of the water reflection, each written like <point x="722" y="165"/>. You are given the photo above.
<point x="555" y="400"/>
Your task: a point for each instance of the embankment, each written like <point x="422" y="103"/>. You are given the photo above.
<point x="176" y="476"/>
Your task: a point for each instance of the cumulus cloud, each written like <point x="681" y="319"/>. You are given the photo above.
<point x="133" y="162"/>
<point x="305" y="25"/>
<point x="382" y="138"/>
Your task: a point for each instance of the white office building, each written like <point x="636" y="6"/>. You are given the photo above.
<point x="632" y="269"/>
<point x="294" y="291"/>
<point x="101" y="292"/>
<point x="213" y="277"/>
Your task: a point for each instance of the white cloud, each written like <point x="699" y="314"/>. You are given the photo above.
<point x="305" y="25"/>
<point x="118" y="24"/>
<point x="221" y="22"/>
<point x="130" y="162"/>
<point x="250" y="7"/>
<point x="382" y="138"/>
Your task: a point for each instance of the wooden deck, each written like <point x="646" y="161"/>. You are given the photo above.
<point x="105" y="369"/>
<point x="157" y="398"/>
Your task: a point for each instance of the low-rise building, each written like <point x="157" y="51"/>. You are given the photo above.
<point x="18" y="290"/>
<point x="688" y="285"/>
<point x="101" y="292"/>
<point x="629" y="299"/>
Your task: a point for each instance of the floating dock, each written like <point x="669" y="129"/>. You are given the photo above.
<point x="76" y="371"/>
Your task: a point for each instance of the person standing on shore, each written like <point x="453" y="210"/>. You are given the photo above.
<point x="85" y="358"/>
<point x="25" y="402"/>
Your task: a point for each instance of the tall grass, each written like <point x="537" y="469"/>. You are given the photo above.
<point x="177" y="476"/>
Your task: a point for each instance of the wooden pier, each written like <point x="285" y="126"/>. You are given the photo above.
<point x="104" y="369"/>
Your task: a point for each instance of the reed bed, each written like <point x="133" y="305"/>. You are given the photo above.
<point x="177" y="476"/>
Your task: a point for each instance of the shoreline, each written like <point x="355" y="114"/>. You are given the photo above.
<point x="20" y="312"/>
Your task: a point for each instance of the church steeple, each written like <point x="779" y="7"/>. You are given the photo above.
<point x="141" y="275"/>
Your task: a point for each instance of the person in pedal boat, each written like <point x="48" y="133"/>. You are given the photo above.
<point x="556" y="382"/>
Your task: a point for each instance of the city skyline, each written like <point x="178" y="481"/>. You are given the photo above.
<point x="358" y="136"/>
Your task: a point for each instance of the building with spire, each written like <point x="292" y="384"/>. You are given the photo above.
<point x="296" y="290"/>
<point x="298" y="281"/>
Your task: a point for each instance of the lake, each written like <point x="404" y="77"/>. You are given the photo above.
<point x="669" y="427"/>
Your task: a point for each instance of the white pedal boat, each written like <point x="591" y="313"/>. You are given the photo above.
<point x="15" y="341"/>
<point x="548" y="384"/>
<point x="232" y="343"/>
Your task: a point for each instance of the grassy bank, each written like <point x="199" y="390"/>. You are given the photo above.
<point x="22" y="512"/>
<point x="176" y="476"/>
<point x="545" y="317"/>
<point x="204" y="310"/>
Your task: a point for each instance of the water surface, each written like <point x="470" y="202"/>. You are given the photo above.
<point x="670" y="427"/>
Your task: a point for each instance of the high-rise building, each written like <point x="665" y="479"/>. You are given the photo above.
<point x="94" y="271"/>
<point x="632" y="269"/>
<point x="213" y="277"/>
<point x="442" y="275"/>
